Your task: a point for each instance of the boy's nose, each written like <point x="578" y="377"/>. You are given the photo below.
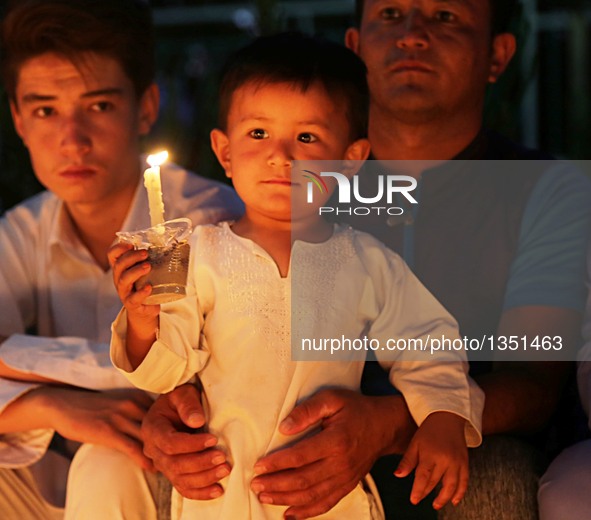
<point x="413" y="35"/>
<point x="75" y="138"/>
<point x="280" y="155"/>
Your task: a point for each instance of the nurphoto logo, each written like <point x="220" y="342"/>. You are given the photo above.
<point x="388" y="189"/>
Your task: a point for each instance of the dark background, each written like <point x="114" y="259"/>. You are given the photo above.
<point x="542" y="100"/>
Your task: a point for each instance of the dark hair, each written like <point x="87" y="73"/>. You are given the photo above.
<point x="118" y="29"/>
<point x="502" y="12"/>
<point x="301" y="61"/>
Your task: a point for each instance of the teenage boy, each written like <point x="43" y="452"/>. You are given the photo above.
<point x="79" y="76"/>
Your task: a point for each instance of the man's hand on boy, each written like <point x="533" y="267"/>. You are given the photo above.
<point x="315" y="473"/>
<point x="188" y="458"/>
<point x="438" y="452"/>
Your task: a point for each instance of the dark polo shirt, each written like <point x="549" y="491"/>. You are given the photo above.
<point x="462" y="236"/>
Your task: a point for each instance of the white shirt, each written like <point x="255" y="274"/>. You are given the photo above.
<point x="50" y="283"/>
<point x="239" y="321"/>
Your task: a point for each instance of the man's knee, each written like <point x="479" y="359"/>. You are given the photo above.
<point x="504" y="475"/>
<point x="564" y="488"/>
<point x="104" y="483"/>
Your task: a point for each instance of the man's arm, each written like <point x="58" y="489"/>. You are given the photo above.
<point x="544" y="291"/>
<point x="110" y="419"/>
<point x="521" y="397"/>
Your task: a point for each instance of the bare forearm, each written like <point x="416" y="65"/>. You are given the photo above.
<point x="29" y="412"/>
<point x="521" y="396"/>
<point x="140" y="337"/>
<point x="399" y="426"/>
<point x="520" y="400"/>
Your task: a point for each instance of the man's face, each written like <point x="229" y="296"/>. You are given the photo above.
<point x="426" y="58"/>
<point x="82" y="126"/>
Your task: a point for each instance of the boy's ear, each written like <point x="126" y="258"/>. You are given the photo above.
<point x="358" y="150"/>
<point x="148" y="108"/>
<point x="356" y="153"/>
<point x="220" y="144"/>
<point x="503" y="49"/>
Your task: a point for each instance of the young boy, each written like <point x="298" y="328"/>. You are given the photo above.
<point x="287" y="98"/>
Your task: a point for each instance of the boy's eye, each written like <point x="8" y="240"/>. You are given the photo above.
<point x="258" y="133"/>
<point x="390" y="13"/>
<point x="306" y="137"/>
<point x="43" y="112"/>
<point x="101" y="106"/>
<point x="445" y="16"/>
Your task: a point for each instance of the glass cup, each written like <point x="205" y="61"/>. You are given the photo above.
<point x="168" y="255"/>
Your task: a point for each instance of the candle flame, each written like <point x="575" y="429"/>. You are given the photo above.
<point x="157" y="159"/>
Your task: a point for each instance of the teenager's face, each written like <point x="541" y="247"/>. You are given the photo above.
<point x="427" y="58"/>
<point x="82" y="126"/>
<point x="271" y="125"/>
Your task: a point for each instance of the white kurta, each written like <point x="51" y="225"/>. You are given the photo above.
<point x="235" y="330"/>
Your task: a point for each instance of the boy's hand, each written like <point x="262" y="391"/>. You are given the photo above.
<point x="128" y="266"/>
<point x="439" y="453"/>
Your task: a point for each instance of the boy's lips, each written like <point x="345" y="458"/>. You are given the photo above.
<point x="281" y="182"/>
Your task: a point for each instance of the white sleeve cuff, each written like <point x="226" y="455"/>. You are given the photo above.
<point x="163" y="368"/>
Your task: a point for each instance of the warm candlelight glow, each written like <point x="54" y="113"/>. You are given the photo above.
<point x="154" y="187"/>
<point x="157" y="159"/>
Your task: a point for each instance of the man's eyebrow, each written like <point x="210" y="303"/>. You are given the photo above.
<point x="33" y="97"/>
<point x="461" y="3"/>
<point x="103" y="92"/>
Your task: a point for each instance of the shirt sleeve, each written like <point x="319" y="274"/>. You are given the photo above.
<point x="203" y="200"/>
<point x="180" y="350"/>
<point x="17" y="305"/>
<point x="549" y="267"/>
<point x="73" y="361"/>
<point x="429" y="381"/>
<point x="17" y="273"/>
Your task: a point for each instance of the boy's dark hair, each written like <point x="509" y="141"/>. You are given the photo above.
<point x="118" y="29"/>
<point x="301" y="61"/>
<point x="502" y="12"/>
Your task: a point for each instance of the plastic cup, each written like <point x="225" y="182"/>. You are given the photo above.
<point x="168" y="276"/>
<point x="168" y="255"/>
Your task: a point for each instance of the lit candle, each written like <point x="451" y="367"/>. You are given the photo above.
<point x="154" y="187"/>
